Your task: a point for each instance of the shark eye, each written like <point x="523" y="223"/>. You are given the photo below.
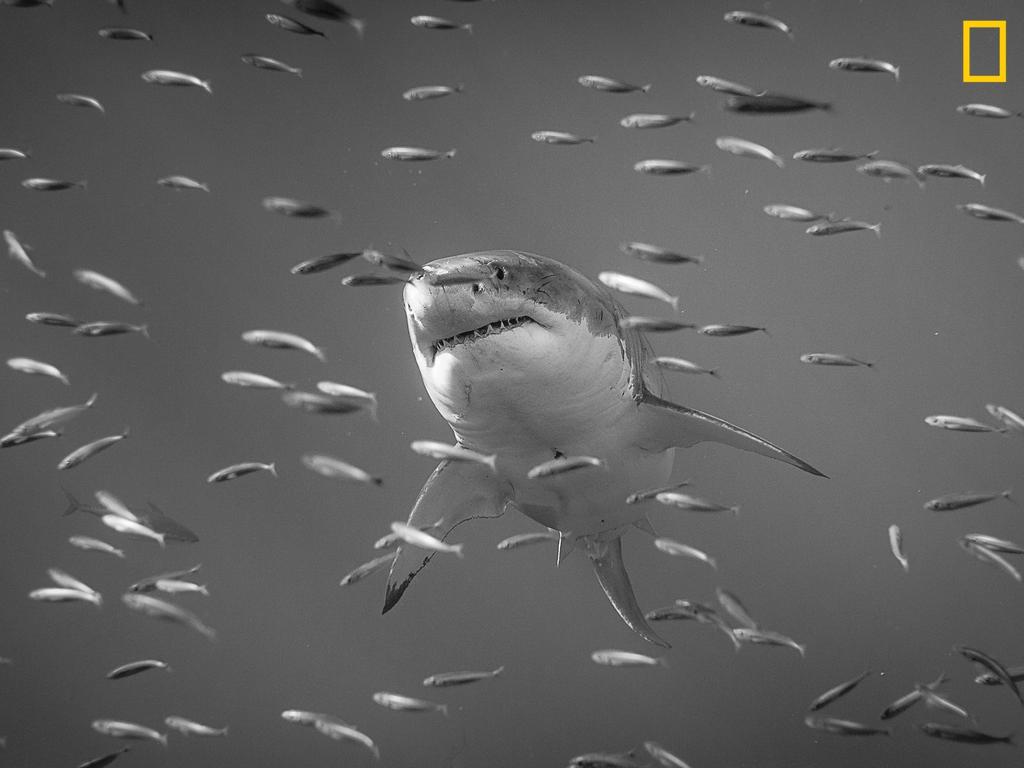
<point x="499" y="272"/>
<point x="475" y="288"/>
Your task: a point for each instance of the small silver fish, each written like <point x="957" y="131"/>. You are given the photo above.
<point x="10" y="153"/>
<point x="993" y="558"/>
<point x="1012" y="420"/>
<point x="984" y="110"/>
<point x="51" y="185"/>
<point x="993" y="544"/>
<point x="657" y="254"/>
<point x="103" y="283"/>
<point x="88" y="543"/>
<point x="54" y="417"/>
<point x="423" y="540"/>
<point x="836" y="692"/>
<point x="992" y="665"/>
<point x="80" y="100"/>
<point x="831" y="155"/>
<point x="772" y="104"/>
<point x="317" y="402"/>
<point x="123" y="33"/>
<point x="401" y="703"/>
<point x="299" y="209"/>
<point x="905" y="702"/>
<point x="672" y="547"/>
<point x="860" y="64"/>
<point x="343" y="732"/>
<point x="414" y="154"/>
<point x="961" y="734"/>
<point x="671" y="613"/>
<point x="114" y="506"/>
<point x="562" y="464"/>
<point x="651" y="493"/>
<point x="843" y="727"/>
<point x="679" y="365"/>
<point x="323" y="263"/>
<point x="132" y="528"/>
<point x="767" y="637"/>
<point x="735" y="608"/>
<point x="178" y="586"/>
<point x="148" y="584"/>
<point x="896" y="545"/>
<point x="691" y="503"/>
<point x="328" y="466"/>
<point x="938" y="701"/>
<point x="392" y="540"/>
<point x="425" y="92"/>
<point x="243" y="468"/>
<point x="610" y="84"/>
<point x="182" y="182"/>
<point x="745" y="148"/>
<point x="52" y="318"/>
<point x="161" y="609"/>
<point x="360" y="572"/>
<point x="655" y="324"/>
<point x="614" y="658"/>
<point x="727" y="86"/>
<point x="136" y="667"/>
<point x="124" y="730"/>
<point x="360" y="281"/>
<point x="436" y="22"/>
<point x="188" y="727"/>
<point x="19" y="438"/>
<point x="663" y="167"/>
<point x="289" y="24"/>
<point x="960" y="424"/>
<point x="307" y="718"/>
<point x="449" y="679"/>
<point x="437" y="450"/>
<point x="65" y="595"/>
<point x="981" y="211"/>
<point x="889" y="170"/>
<point x="841" y="226"/>
<point x="89" y="450"/>
<point x="109" y="328"/>
<point x="830" y="358"/>
<point x="654" y="120"/>
<point x="720" y="329"/>
<point x="349" y="394"/>
<point x="990" y="678"/>
<point x="751" y="19"/>
<point x="663" y="756"/>
<point x="170" y="77"/>
<point x="283" y="340"/>
<point x="951" y="172"/>
<point x="953" y="501"/>
<point x="265" y="62"/>
<point x="30" y="366"/>
<point x="526" y="539"/>
<point x="634" y="286"/>
<point x="254" y="380"/>
<point x="560" y="137"/>
<point x="604" y="760"/>
<point x="793" y="213"/>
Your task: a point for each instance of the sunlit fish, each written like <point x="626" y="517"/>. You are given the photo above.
<point x="54" y="417"/>
<point x="425" y="92"/>
<point x="767" y="637"/>
<point x="561" y="465"/>
<point x="299" y="209"/>
<point x="991" y="557"/>
<point x="690" y="503"/>
<point x="841" y="226"/>
<point x="772" y="104"/>
<point x="672" y="547"/>
<point x="560" y="137"/>
<point x="905" y="702"/>
<point x="80" y="100"/>
<point x="103" y="283"/>
<point x="318" y="402"/>
<point x="993" y="544"/>
<point x="981" y="211"/>
<point x="745" y="148"/>
<point x="610" y="84"/>
<point x="837" y="692"/>
<point x="436" y="22"/>
<point x="437" y="450"/>
<point x="21" y="438"/>
<point x="88" y="543"/>
<point x="449" y="679"/>
<point x="368" y="568"/>
<point x="391" y="261"/>
<point x="831" y="155"/>
<point x="889" y="170"/>
<point x="662" y="167"/>
<point x="306" y="718"/>
<point x="653" y="120"/>
<point x="860" y="64"/>
<point x="109" y="328"/>
<point x="343" y="732"/>
<point x="123" y="33"/>
<point x="148" y="584"/>
<point x="963" y="734"/>
<point x="752" y="19"/>
<point x="51" y="185"/>
<point x="323" y="263"/>
<point x="132" y="528"/>
<point x="896" y="545"/>
<point x="990" y="678"/>
<point x="414" y="153"/>
<point x="328" y="466"/>
<point x="254" y="380"/>
<point x="123" y="730"/>
<point x="735" y="608"/>
<point x="136" y="667"/>
<point x="52" y="318"/>
<point x="727" y="86"/>
<point x="984" y="110"/>
<point x="115" y="506"/>
<point x="401" y="703"/>
<point x="170" y="77"/>
<point x="10" y="153"/>
<point x="651" y="493"/>
<point x="266" y="62"/>
<point x="183" y="182"/>
<point x="282" y="340"/>
<point x="614" y="658"/>
<point x="66" y="580"/>
<point x="657" y="254"/>
<point x="656" y="324"/>
<point x="679" y="365"/>
<point x="721" y="329"/>
<point x="326" y="9"/>
<point x="178" y="587"/>
<point x="960" y="424"/>
<point x="391" y="540"/>
<point x="104" y="760"/>
<point x="360" y="281"/>
<point x="992" y="665"/>
<point x="843" y="727"/>
<point x="30" y="366"/>
<point x="954" y="501"/>
<point x="793" y="213"/>
<point x="288" y="24"/>
<point x="161" y="609"/>
<point x="243" y="468"/>
<point x="634" y="286"/>
<point x="349" y="394"/>
<point x="423" y="540"/>
<point x="526" y="539"/>
<point x="187" y="727"/>
<point x="1011" y="419"/>
<point x="65" y="595"/>
<point x="951" y="172"/>
<point x="663" y="756"/>
<point x="831" y="358"/>
<point x="938" y="701"/>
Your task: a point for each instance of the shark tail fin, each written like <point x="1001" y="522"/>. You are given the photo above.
<point x="606" y="557"/>
<point x="73" y="504"/>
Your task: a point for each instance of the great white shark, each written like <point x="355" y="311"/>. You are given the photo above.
<point x="525" y="358"/>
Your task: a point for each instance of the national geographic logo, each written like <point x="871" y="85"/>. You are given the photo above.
<point x="986" y="57"/>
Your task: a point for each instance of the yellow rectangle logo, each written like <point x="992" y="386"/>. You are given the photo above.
<point x="1000" y="76"/>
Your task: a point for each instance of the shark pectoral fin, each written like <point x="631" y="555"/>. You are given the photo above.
<point x="456" y="491"/>
<point x="644" y="524"/>
<point x="566" y="545"/>
<point x="611" y="573"/>
<point x="664" y="425"/>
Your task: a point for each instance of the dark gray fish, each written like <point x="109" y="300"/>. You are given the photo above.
<point x="526" y="539"/>
<point x="838" y="691"/>
<point x="745" y="148"/>
<point x="830" y="155"/>
<point x="109" y="328"/>
<point x="938" y="701"/>
<point x="426" y="92"/>
<point x="960" y="424"/>
<point x="318" y="402"/>
<point x="1011" y="419"/>
<point x="663" y="167"/>
<point x="657" y="254"/>
<point x="844" y="727"/>
<point x="26" y="3"/>
<point x="80" y="100"/>
<point x="323" y="263"/>
<point x="889" y="170"/>
<point x="54" y="417"/>
<point x="243" y="468"/>
<point x="342" y="732"/>
<point x="772" y="104"/>
<point x="896" y="546"/>
<point x="329" y="466"/>
<point x="36" y="367"/>
<point x="653" y="120"/>
<point x="266" y="62"/>
<point x="415" y="154"/>
<point x="963" y="735"/>
<point x="155" y="519"/>
<point x="830" y="358"/>
<point x="436" y="22"/>
<point x="282" y="340"/>
<point x="767" y="637"/>
<point x="52" y="318"/>
<point x="752" y="19"/>
<point x="561" y="137"/>
<point x="289" y="24"/>
<point x="690" y="503"/>
<point x="300" y="209"/>
<point x="391" y="261"/>
<point x="663" y="756"/>
<point x="679" y="365"/>
<point x="985" y="110"/>
<point x="105" y="760"/>
<point x="905" y="702"/>
<point x="981" y="211"/>
<point x="610" y="84"/>
<point x="449" y="679"/>
<point x="672" y="613"/>
<point x="124" y="33"/>
<point x="993" y="666"/>
<point x="180" y="79"/>
<point x="729" y="330"/>
<point x="793" y="213"/>
<point x="861" y="64"/>
<point x="325" y="9"/>
<point x="990" y="678"/>
<point x="400" y="703"/>
<point x="161" y="609"/>
<point x="368" y="280"/>
<point x="135" y="668"/>
<point x="951" y="172"/>
<point x="124" y="730"/>
<point x="992" y="557"/>
<point x="841" y="226"/>
<point x="604" y="760"/>
<point x="954" y="501"/>
<point x="562" y="464"/>
<point x="51" y="185"/>
<point x="183" y="182"/>
<point x="20" y="438"/>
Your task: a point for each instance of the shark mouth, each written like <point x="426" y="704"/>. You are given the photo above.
<point x="491" y="329"/>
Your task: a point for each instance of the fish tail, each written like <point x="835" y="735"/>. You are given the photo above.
<point x="377" y="480"/>
<point x="444" y="709"/>
<point x="675" y="302"/>
<point x="126" y="432"/>
<point x="981" y="178"/>
<point x="498" y="671"/>
<point x="65" y="379"/>
<point x="162" y="737"/>
<point x="1006" y="495"/>
<point x="319" y="352"/>
<point x="877" y="229"/>
<point x="359" y="25"/>
<point x="163" y="544"/>
<point x="205" y="85"/>
<point x="492" y="462"/>
<point x="460" y="87"/>
<point x="713" y="563"/>
<point x="204" y="591"/>
<point x="646" y="88"/>
<point x="298" y="72"/>
<point x="468" y="28"/>
<point x="457" y="549"/>
<point x="735" y="510"/>
<point x="84" y="183"/>
<point x="272" y="468"/>
<point x="897" y="73"/>
<point x="714" y="372"/>
<point x="450" y="153"/>
<point x="778" y="161"/>
<point x="144" y="330"/>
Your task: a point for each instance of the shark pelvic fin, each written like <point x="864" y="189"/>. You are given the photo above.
<point x="566" y="545"/>
<point x="611" y="573"/>
<point x="664" y="425"/>
<point x="456" y="491"/>
<point x="644" y="525"/>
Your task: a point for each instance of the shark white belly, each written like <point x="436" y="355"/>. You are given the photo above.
<point x="524" y="359"/>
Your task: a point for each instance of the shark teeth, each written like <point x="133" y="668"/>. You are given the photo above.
<point x="497" y="326"/>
